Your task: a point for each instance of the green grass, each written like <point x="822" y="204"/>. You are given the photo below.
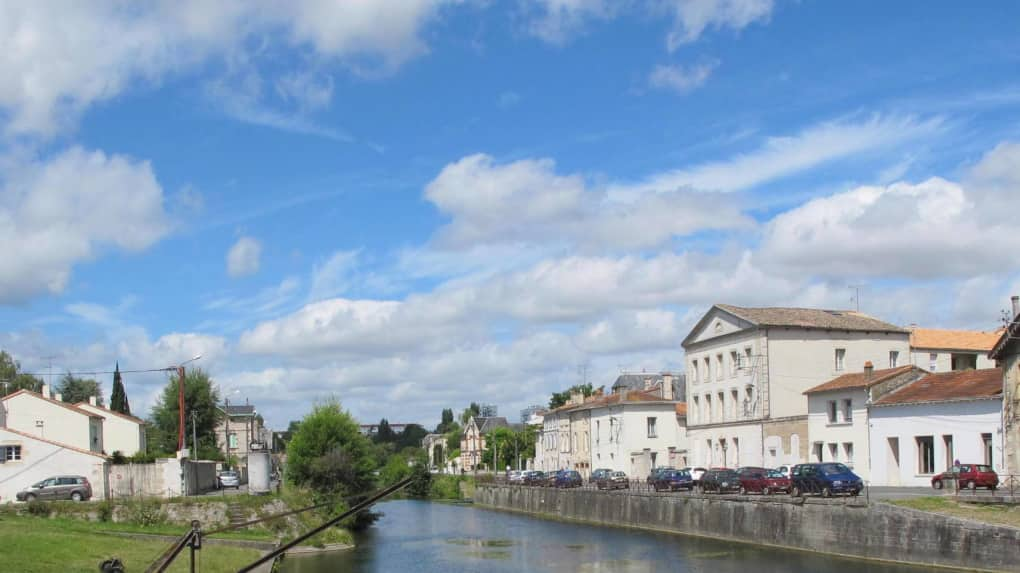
<point x="34" y="545"/>
<point x="988" y="513"/>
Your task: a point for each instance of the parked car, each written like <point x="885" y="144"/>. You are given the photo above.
<point x="569" y="478"/>
<point x="515" y="476"/>
<point x="534" y="477"/>
<point x="550" y="478"/>
<point x="654" y="474"/>
<point x="598" y="474"/>
<point x="776" y="481"/>
<point x="613" y="480"/>
<point x="785" y="470"/>
<point x="75" y="488"/>
<point x="230" y="478"/>
<point x="720" y="481"/>
<point x="696" y="474"/>
<point x="673" y="480"/>
<point x="968" y="476"/>
<point x="752" y="479"/>
<point x="825" y="479"/>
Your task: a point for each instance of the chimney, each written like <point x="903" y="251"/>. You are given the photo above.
<point x="58" y="397"/>
<point x="45" y="390"/>
<point x="576" y="398"/>
<point x="869" y="370"/>
<point x="648" y="384"/>
<point x="1016" y="305"/>
<point x="92" y="400"/>
<point x="667" y="387"/>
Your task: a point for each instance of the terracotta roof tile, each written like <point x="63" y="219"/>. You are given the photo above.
<point x="859" y="379"/>
<point x="811" y="318"/>
<point x="947" y="387"/>
<point x="953" y="339"/>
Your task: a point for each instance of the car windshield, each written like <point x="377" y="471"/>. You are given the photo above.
<point x="987" y="469"/>
<point x="834" y="469"/>
<point x="728" y="474"/>
<point x="619" y="475"/>
<point x="776" y="474"/>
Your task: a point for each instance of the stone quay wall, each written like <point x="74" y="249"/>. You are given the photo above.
<point x="841" y="526"/>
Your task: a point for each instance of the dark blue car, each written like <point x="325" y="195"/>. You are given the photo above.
<point x="568" y="478"/>
<point x="825" y="479"/>
<point x="673" y="480"/>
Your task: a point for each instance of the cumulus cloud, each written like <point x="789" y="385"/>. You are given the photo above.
<point x="60" y="211"/>
<point x="244" y="257"/>
<point x="681" y="79"/>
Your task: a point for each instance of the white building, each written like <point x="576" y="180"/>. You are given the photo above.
<point x="748" y="368"/>
<point x="26" y="459"/>
<point x="52" y="419"/>
<point x="938" y="350"/>
<point x="121" y="432"/>
<point x="634" y="432"/>
<point x="920" y="429"/>
<point x="838" y="425"/>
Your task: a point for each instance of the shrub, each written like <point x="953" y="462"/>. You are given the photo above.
<point x="146" y="513"/>
<point x="39" y="508"/>
<point x="117" y="458"/>
<point x="105" y="511"/>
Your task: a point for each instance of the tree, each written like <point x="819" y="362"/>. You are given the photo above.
<point x="118" y="397"/>
<point x="453" y="438"/>
<point x="560" y="398"/>
<point x="73" y="389"/>
<point x="510" y="445"/>
<point x="422" y="484"/>
<point x="13" y="379"/>
<point x="472" y="410"/>
<point x="411" y="437"/>
<point x="385" y="433"/>
<point x="328" y="453"/>
<point x="446" y="422"/>
<point x="201" y="398"/>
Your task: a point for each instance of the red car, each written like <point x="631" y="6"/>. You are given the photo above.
<point x="969" y="476"/>
<point x="764" y="481"/>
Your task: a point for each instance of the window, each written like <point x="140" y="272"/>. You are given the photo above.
<point x="747" y="356"/>
<point x="925" y="454"/>
<point x="718" y="367"/>
<point x="818" y="451"/>
<point x="734" y="399"/>
<point x="722" y="406"/>
<point x="987" y="441"/>
<point x="708" y="408"/>
<point x="736" y="452"/>
<point x="834" y="452"/>
<point x="933" y="361"/>
<point x="840" y="359"/>
<point x="734" y="363"/>
<point x="832" y="411"/>
<point x="947" y="441"/>
<point x="612" y="429"/>
<point x="708" y="369"/>
<point x="848" y="452"/>
<point x="12" y="454"/>
<point x="598" y="430"/>
<point x="696" y="411"/>
<point x="848" y="410"/>
<point x="694" y="371"/>
<point x="651" y="428"/>
<point x="232" y="441"/>
<point x="894" y="358"/>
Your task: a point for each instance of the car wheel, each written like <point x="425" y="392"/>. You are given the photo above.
<point x="76" y="496"/>
<point x="855" y="493"/>
<point x="30" y="497"/>
<point x="766" y="491"/>
<point x="795" y="491"/>
<point x="937" y="484"/>
<point x="826" y="492"/>
<point x="971" y="485"/>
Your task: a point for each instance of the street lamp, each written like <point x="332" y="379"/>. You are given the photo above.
<point x="180" y="400"/>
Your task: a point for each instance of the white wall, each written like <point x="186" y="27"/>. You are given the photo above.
<point x="964" y="421"/>
<point x="707" y="452"/>
<point x="854" y="431"/>
<point x="41" y="460"/>
<point x="119" y="433"/>
<point x="60" y="423"/>
<point x="943" y="362"/>
<point x="615" y="450"/>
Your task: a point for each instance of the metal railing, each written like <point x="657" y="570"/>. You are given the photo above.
<point x="1008" y="486"/>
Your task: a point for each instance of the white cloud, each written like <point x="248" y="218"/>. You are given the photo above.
<point x="641" y="330"/>
<point x="306" y="90"/>
<point x="783" y="156"/>
<point x="692" y="17"/>
<point x="681" y="79"/>
<point x="244" y="257"/>
<point x="64" y="210"/>
<point x="333" y="276"/>
<point x="558" y="20"/>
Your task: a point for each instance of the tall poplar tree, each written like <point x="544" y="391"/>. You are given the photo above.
<point x="118" y="398"/>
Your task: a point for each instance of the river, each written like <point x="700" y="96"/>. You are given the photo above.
<point x="419" y="536"/>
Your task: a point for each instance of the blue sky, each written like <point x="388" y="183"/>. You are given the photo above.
<point x="415" y="204"/>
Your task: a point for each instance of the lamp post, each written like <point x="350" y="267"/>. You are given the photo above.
<point x="180" y="400"/>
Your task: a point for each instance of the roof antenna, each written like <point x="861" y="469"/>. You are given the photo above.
<point x="857" y="296"/>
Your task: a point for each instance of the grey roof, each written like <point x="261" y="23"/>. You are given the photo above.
<point x="811" y="318"/>
<point x="491" y="423"/>
<point x="241" y="410"/>
<point x="637" y="382"/>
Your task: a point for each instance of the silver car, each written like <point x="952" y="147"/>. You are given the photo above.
<point x="230" y="479"/>
<point x="75" y="488"/>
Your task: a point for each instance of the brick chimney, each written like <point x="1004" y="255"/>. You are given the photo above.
<point x="869" y="370"/>
<point x="46" y="391"/>
<point x="1016" y="305"/>
<point x="667" y="387"/>
<point x="92" y="400"/>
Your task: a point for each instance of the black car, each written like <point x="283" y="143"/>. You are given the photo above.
<point x="534" y="477"/>
<point x="673" y="480"/>
<point x="568" y="478"/>
<point x="598" y="474"/>
<point x="825" y="478"/>
<point x="654" y="474"/>
<point x="720" y="481"/>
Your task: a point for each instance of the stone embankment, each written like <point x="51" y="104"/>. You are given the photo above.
<point x="851" y="528"/>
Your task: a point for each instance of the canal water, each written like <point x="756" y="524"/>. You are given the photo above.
<point x="419" y="536"/>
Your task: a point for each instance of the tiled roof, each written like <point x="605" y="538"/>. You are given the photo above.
<point x="859" y="379"/>
<point x="240" y="410"/>
<point x="52" y="401"/>
<point x="811" y="318"/>
<point x="953" y="339"/>
<point x="681" y="408"/>
<point x="86" y="405"/>
<point x="65" y="446"/>
<point x="947" y="387"/>
<point x="613" y="399"/>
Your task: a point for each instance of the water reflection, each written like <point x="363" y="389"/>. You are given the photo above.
<point x="415" y="536"/>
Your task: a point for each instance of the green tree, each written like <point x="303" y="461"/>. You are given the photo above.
<point x="511" y="446"/>
<point x="73" y="389"/>
<point x="472" y="410"/>
<point x="453" y="438"/>
<point x="560" y="398"/>
<point x="201" y="398"/>
<point x="447" y="421"/>
<point x="422" y="484"/>
<point x="411" y="436"/>
<point x="118" y="397"/>
<point x="328" y="453"/>
<point x="13" y="379"/>
<point x="385" y="433"/>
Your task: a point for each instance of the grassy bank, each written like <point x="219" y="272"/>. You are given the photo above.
<point x="451" y="487"/>
<point x="34" y="544"/>
<point x="988" y="513"/>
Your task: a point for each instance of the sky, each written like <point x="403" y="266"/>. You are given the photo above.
<point x="411" y="205"/>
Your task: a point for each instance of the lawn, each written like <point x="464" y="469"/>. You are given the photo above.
<point x="997" y="514"/>
<point x="35" y="544"/>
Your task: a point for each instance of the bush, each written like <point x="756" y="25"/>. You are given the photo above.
<point x="117" y="458"/>
<point x="105" y="511"/>
<point x="444" y="486"/>
<point x="39" y="508"/>
<point x="146" y="513"/>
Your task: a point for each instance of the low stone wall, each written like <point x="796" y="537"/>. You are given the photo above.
<point x="846" y="527"/>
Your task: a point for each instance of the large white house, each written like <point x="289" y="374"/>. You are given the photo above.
<point x="121" y="432"/>
<point x="748" y="368"/>
<point x="838" y="425"/>
<point x="26" y="459"/>
<point x="921" y="428"/>
<point x="938" y="350"/>
<point x="52" y="419"/>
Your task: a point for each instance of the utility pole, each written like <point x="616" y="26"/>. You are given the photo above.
<point x="180" y="408"/>
<point x="194" y="435"/>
